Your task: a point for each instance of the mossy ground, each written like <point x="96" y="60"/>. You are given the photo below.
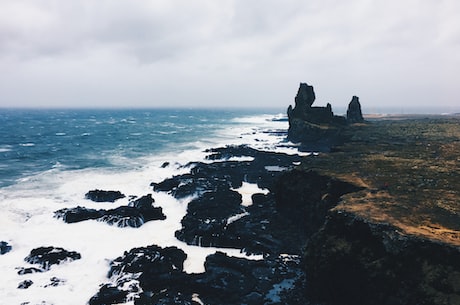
<point x="410" y="168"/>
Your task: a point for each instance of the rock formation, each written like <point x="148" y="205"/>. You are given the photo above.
<point x="47" y="256"/>
<point x="104" y="196"/>
<point x="308" y="124"/>
<point x="354" y="114"/>
<point x="318" y="126"/>
<point x="4" y="247"/>
<point x="134" y="215"/>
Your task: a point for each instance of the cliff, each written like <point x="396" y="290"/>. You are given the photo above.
<point x="397" y="239"/>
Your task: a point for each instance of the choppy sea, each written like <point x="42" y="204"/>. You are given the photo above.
<point x="50" y="158"/>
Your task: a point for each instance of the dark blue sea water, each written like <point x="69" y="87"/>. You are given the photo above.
<point x="32" y="141"/>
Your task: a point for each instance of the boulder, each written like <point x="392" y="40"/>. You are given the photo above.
<point x="25" y="284"/>
<point x="104" y="196"/>
<point x="48" y="256"/>
<point x="134" y="215"/>
<point x="354" y="114"/>
<point x="4" y="247"/>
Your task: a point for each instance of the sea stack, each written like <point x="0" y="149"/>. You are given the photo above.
<point x="309" y="124"/>
<point x="354" y="114"/>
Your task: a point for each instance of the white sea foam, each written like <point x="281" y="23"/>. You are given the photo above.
<point x="27" y="216"/>
<point x="247" y="190"/>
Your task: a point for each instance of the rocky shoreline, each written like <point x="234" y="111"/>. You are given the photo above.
<point x="318" y="246"/>
<point x="373" y="220"/>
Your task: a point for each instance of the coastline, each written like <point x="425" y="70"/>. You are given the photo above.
<point x="332" y="226"/>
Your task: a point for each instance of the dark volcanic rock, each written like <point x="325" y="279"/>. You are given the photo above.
<point x="25" y="284"/>
<point x="104" y="196"/>
<point x="134" y="215"/>
<point x="4" y="247"/>
<point x="305" y="197"/>
<point x="230" y="280"/>
<point x="54" y="282"/>
<point x="353" y="261"/>
<point x="154" y="275"/>
<point x="23" y="271"/>
<point x="48" y="256"/>
<point x="108" y="295"/>
<point x="78" y="214"/>
<point x="207" y="217"/>
<point x="204" y="177"/>
<point x="308" y="124"/>
<point x="151" y="269"/>
<point x="354" y="114"/>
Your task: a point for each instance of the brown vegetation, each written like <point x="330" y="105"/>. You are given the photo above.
<point x="410" y="168"/>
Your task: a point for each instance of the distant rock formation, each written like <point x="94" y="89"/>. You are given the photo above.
<point x="318" y="125"/>
<point x="308" y="124"/>
<point x="354" y="114"/>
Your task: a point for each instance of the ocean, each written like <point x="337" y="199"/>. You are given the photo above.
<point x="50" y="158"/>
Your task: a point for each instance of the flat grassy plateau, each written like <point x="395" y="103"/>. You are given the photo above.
<point x="409" y="168"/>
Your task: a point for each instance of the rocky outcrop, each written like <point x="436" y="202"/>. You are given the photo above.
<point x="134" y="215"/>
<point x="317" y="127"/>
<point x="104" y="196"/>
<point x="308" y="124"/>
<point x="25" y="284"/>
<point x="354" y="114"/>
<point x="354" y="261"/>
<point x="4" y="247"/>
<point x="48" y="256"/>
<point x="155" y="275"/>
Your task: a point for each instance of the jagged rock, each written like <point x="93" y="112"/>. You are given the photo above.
<point x="354" y="114"/>
<point x="4" y="247"/>
<point x="108" y="295"/>
<point x="25" y="284"/>
<point x="134" y="215"/>
<point x="104" y="196"/>
<point x="204" y="177"/>
<point x="54" y="282"/>
<point x="312" y="124"/>
<point x="154" y="275"/>
<point x="30" y="270"/>
<point x="78" y="214"/>
<point x="354" y="261"/>
<point x="206" y="219"/>
<point x="48" y="256"/>
<point x="154" y="269"/>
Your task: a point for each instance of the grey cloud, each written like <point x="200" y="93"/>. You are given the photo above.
<point x="248" y="50"/>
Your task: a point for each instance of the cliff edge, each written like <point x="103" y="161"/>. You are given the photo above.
<point x="397" y="239"/>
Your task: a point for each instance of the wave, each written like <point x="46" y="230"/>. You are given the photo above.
<point x="27" y="213"/>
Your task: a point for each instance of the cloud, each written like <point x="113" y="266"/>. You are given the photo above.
<point x="251" y="51"/>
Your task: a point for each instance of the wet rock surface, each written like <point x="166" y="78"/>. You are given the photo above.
<point x="154" y="275"/>
<point x="4" y="247"/>
<point x="45" y="257"/>
<point x="104" y="196"/>
<point x="134" y="215"/>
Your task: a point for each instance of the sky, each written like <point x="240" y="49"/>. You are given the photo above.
<point x="229" y="53"/>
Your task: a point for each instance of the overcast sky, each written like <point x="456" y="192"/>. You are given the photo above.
<point x="156" y="53"/>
